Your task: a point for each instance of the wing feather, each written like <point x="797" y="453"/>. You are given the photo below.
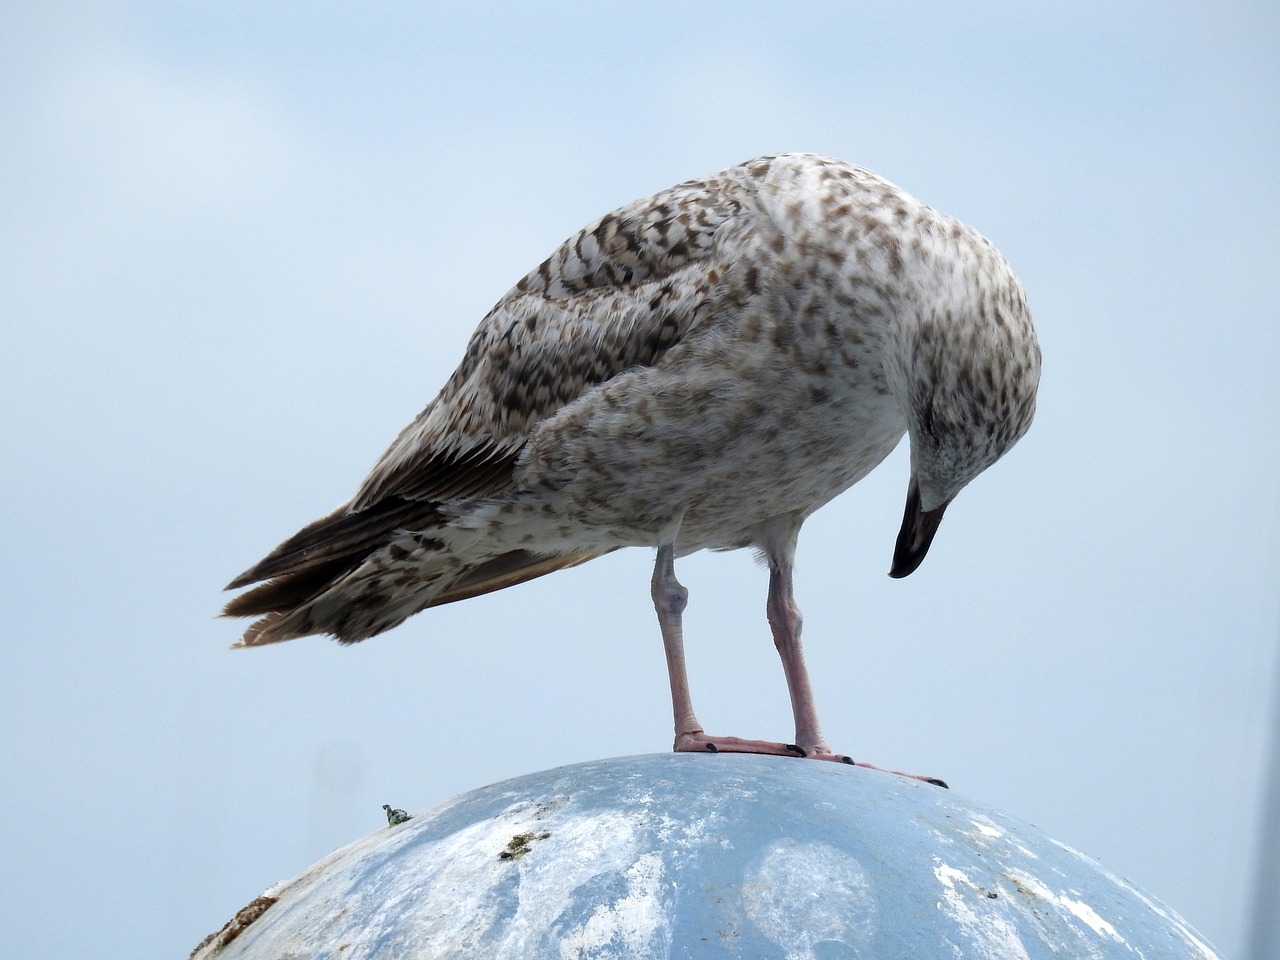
<point x="339" y="536"/>
<point x="616" y="296"/>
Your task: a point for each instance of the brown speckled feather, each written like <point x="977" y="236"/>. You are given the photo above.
<point x="614" y="297"/>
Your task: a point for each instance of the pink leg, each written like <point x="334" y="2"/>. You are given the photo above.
<point x="785" y="622"/>
<point x="669" y="599"/>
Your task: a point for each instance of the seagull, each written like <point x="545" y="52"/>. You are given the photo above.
<point x="394" y="816"/>
<point x="701" y="369"/>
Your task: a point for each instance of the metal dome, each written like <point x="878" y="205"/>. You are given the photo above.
<point x="706" y="856"/>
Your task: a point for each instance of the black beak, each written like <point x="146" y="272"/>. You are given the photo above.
<point x="918" y="528"/>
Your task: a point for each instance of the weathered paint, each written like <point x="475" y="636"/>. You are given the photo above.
<point x="689" y="856"/>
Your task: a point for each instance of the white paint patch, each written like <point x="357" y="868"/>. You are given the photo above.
<point x="1077" y="908"/>
<point x="987" y="827"/>
<point x="1197" y="946"/>
<point x="632" y="926"/>
<point x="1089" y="916"/>
<point x="985" y="831"/>
<point x="988" y="933"/>
<point x="582" y="849"/>
<point x="678" y="837"/>
<point x="793" y="911"/>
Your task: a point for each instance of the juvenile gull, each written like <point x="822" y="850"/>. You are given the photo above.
<point x="701" y="369"/>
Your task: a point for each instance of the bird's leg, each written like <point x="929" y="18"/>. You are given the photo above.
<point x="785" y="622"/>
<point x="669" y="599"/>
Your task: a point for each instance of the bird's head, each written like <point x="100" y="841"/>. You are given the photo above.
<point x="967" y="380"/>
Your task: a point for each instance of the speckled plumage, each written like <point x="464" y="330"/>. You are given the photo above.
<point x="700" y="369"/>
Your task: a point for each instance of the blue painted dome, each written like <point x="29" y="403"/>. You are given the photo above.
<point x="706" y="856"/>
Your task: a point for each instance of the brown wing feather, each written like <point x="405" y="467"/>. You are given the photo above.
<point x="341" y="535"/>
<point x="616" y="296"/>
<point x="321" y="553"/>
<point x="289" y="590"/>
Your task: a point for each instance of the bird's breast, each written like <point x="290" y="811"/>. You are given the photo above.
<point x="725" y="449"/>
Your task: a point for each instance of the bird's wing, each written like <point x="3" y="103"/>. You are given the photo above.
<point x="616" y="296"/>
<point x="613" y="298"/>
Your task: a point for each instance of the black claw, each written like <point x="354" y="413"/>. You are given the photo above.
<point x="848" y="760"/>
<point x="795" y="749"/>
<point x="712" y="748"/>
<point x="938" y="783"/>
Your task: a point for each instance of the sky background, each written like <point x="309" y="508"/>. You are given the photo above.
<point x="242" y="244"/>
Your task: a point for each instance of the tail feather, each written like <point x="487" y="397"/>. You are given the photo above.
<point x="340" y="536"/>
<point x="378" y="596"/>
<point x="259" y="633"/>
<point x="356" y="574"/>
<point x="313" y="560"/>
<point x="288" y="590"/>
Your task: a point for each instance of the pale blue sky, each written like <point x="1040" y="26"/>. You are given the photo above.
<point x="242" y="244"/>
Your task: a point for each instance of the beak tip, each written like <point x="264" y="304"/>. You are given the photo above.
<point x="916" y="535"/>
<point x="904" y="566"/>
